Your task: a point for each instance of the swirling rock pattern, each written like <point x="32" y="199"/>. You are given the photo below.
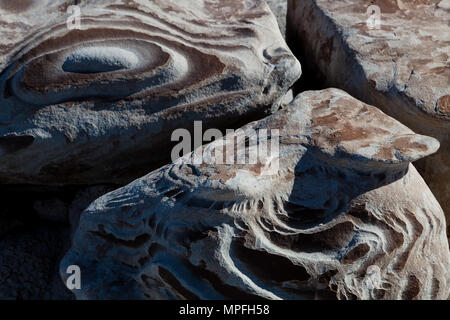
<point x="345" y="215"/>
<point x="402" y="68"/>
<point x="279" y="8"/>
<point x="99" y="104"/>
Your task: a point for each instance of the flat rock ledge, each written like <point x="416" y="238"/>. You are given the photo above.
<point x="338" y="212"/>
<point x="402" y="67"/>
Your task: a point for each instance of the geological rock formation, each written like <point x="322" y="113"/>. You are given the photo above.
<point x="36" y="227"/>
<point x="337" y="212"/>
<point x="29" y="262"/>
<point x="99" y="104"/>
<point x="402" y="67"/>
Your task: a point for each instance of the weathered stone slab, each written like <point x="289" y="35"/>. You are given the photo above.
<point x="99" y="104"/>
<point x="402" y="67"/>
<point x="338" y="211"/>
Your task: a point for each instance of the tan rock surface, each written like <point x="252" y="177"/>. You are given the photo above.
<point x="401" y="68"/>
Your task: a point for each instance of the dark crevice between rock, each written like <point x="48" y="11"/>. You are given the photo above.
<point x="35" y="233"/>
<point x="311" y="79"/>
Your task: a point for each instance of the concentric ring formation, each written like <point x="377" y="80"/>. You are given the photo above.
<point x="148" y="66"/>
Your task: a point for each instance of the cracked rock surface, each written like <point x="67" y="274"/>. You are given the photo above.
<point x="402" y="67"/>
<point x="340" y="213"/>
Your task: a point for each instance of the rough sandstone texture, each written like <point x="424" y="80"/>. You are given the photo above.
<point x="343" y="215"/>
<point x="402" y="68"/>
<point x="99" y="105"/>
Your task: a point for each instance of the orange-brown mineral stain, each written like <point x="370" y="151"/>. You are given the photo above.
<point x="443" y="105"/>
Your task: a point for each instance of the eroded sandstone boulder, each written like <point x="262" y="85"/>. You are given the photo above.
<point x="99" y="103"/>
<point x="337" y="211"/>
<point x="402" y="67"/>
